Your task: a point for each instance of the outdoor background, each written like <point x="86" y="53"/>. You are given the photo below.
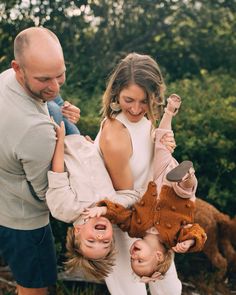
<point x="194" y="43"/>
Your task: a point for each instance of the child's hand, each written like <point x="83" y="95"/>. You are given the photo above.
<point x="60" y="130"/>
<point x="94" y="212"/>
<point x="71" y="112"/>
<point x="183" y="246"/>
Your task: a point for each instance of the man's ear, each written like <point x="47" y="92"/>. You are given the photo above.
<point x="159" y="255"/>
<point x="15" y="65"/>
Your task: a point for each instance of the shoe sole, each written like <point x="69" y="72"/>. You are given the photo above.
<point x="177" y="174"/>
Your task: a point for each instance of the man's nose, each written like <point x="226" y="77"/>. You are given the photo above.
<point x="54" y="85"/>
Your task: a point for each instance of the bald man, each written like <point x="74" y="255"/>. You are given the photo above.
<point x="26" y="149"/>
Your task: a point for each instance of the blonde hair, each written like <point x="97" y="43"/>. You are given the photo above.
<point x="94" y="269"/>
<point x="164" y="265"/>
<point x="143" y="71"/>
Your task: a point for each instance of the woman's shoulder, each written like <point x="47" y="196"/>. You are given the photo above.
<point x="114" y="135"/>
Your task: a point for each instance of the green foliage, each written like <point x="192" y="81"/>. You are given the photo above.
<point x="205" y="132"/>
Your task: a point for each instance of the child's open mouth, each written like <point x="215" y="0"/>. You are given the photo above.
<point x="100" y="227"/>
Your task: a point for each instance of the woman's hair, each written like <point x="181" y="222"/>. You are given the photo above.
<point x="94" y="269"/>
<point x="143" y="71"/>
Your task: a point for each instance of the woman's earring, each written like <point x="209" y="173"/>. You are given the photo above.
<point x="115" y="106"/>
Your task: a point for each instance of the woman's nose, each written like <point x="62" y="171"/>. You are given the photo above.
<point x="135" y="108"/>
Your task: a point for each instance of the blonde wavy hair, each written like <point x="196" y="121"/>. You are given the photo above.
<point x="143" y="71"/>
<point x="94" y="269"/>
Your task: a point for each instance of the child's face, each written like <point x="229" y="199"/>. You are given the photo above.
<point x="95" y="237"/>
<point x="144" y="258"/>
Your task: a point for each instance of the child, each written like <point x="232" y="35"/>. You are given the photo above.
<point x="79" y="180"/>
<point x="164" y="223"/>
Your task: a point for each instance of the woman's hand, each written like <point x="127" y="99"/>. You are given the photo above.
<point x="169" y="141"/>
<point x="71" y="112"/>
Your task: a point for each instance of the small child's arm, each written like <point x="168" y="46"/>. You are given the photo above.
<point x="58" y="156"/>
<point x="196" y="233"/>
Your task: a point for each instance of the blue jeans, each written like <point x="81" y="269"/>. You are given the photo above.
<point x="54" y="108"/>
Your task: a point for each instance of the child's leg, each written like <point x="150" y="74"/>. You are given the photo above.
<point x="184" y="174"/>
<point x="55" y="111"/>
<point x="173" y="104"/>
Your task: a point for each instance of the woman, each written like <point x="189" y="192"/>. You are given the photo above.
<point x="131" y="104"/>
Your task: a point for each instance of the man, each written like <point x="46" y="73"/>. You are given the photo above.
<point x="26" y="149"/>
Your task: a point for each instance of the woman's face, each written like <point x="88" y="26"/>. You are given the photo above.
<point x="133" y="102"/>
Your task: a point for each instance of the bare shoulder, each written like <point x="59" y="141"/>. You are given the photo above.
<point x="115" y="138"/>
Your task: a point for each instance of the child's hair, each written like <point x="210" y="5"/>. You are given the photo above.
<point x="94" y="269"/>
<point x="160" y="270"/>
<point x="163" y="266"/>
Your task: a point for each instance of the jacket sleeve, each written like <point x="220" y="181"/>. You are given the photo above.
<point x="61" y="199"/>
<point x="118" y="214"/>
<point x="195" y="232"/>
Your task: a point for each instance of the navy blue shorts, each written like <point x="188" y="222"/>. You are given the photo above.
<point x="30" y="255"/>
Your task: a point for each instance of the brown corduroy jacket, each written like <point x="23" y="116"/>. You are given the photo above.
<point x="169" y="214"/>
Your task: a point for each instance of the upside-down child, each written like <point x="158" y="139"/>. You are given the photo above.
<point x="164" y="217"/>
<point x="79" y="180"/>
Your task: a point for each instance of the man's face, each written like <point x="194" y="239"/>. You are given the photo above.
<point x="41" y="84"/>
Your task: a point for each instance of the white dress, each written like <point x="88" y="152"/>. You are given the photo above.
<point x="122" y="281"/>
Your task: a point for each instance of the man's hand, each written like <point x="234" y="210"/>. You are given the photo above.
<point x="183" y="246"/>
<point x="71" y="112"/>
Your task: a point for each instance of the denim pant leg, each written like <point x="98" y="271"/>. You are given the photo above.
<point x="55" y="112"/>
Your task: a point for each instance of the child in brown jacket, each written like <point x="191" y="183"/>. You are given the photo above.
<point x="164" y="217"/>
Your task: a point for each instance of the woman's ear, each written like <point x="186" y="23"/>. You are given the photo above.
<point x="159" y="255"/>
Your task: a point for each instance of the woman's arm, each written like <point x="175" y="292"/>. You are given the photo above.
<point x="115" y="144"/>
<point x="58" y="156"/>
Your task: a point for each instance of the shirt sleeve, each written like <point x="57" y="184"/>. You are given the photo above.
<point x="61" y="199"/>
<point x="35" y="151"/>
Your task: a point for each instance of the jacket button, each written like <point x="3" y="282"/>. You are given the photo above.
<point x="184" y="222"/>
<point x="158" y="208"/>
<point x="154" y="194"/>
<point x="133" y="209"/>
<point x="173" y="208"/>
<point x="157" y="222"/>
<point x="188" y="205"/>
<point x="168" y="225"/>
<point x="142" y="203"/>
<point x="139" y="221"/>
<point x="153" y="184"/>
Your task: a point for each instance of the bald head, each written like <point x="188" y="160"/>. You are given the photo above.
<point x="35" y="41"/>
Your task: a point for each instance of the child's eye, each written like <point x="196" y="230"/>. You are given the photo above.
<point x="91" y="241"/>
<point x="106" y="242"/>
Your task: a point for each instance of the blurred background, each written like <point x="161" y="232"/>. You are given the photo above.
<point x="194" y="42"/>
